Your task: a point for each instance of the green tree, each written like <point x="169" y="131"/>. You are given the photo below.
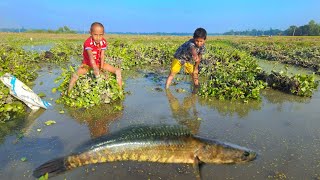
<point x="314" y="28"/>
<point x="291" y="31"/>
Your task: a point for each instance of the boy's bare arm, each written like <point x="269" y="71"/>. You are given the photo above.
<point x="197" y="63"/>
<point x="199" y="58"/>
<point x="196" y="58"/>
<point x="195" y="55"/>
<point x="102" y="59"/>
<point x="93" y="63"/>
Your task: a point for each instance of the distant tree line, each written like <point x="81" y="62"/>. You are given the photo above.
<point x="13" y="30"/>
<point x="61" y="30"/>
<point x="310" y="29"/>
<point x="64" y="29"/>
<point x="255" y="32"/>
<point x="161" y="33"/>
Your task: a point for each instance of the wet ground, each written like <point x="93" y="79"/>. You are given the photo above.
<point x="283" y="129"/>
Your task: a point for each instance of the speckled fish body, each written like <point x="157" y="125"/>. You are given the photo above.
<point x="162" y="144"/>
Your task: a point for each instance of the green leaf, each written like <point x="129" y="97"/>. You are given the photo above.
<point x="42" y="94"/>
<point x="44" y="177"/>
<point x="23" y="159"/>
<point x="50" y="122"/>
<point x="54" y="90"/>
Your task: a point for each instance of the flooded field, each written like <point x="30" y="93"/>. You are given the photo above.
<point x="283" y="129"/>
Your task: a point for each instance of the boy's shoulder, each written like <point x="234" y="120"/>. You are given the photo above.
<point x="104" y="41"/>
<point x="190" y="43"/>
<point x="187" y="43"/>
<point x="88" y="41"/>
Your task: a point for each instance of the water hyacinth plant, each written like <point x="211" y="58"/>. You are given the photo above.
<point x="301" y="85"/>
<point x="18" y="62"/>
<point x="88" y="91"/>
<point x="232" y="75"/>
<point x="61" y="52"/>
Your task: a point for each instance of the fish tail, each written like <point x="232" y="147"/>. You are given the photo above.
<point x="53" y="168"/>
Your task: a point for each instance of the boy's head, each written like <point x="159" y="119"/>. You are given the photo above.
<point x="199" y="36"/>
<point x="97" y="31"/>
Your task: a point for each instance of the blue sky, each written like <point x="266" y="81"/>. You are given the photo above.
<point x="159" y="16"/>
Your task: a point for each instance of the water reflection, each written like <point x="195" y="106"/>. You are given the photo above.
<point x="278" y="97"/>
<point x="185" y="113"/>
<point x="30" y="120"/>
<point x="22" y="145"/>
<point x="231" y="108"/>
<point x="10" y="127"/>
<point x="33" y="149"/>
<point x="99" y="118"/>
<point x="21" y="124"/>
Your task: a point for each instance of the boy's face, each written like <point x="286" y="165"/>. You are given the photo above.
<point x="97" y="33"/>
<point x="199" y="42"/>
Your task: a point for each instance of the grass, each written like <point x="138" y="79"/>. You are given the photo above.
<point x="47" y="37"/>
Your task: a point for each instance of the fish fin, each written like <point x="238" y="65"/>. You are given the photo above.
<point x="196" y="167"/>
<point x="53" y="168"/>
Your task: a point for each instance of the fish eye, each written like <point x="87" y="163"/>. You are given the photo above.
<point x="246" y="153"/>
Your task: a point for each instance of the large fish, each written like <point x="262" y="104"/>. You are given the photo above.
<point x="162" y="144"/>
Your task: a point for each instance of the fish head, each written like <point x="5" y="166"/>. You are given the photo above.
<point x="223" y="153"/>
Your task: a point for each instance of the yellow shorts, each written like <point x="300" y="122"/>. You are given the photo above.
<point x="176" y="66"/>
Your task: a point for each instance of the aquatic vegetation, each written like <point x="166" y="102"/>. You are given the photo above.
<point x="127" y="54"/>
<point x="62" y="52"/>
<point x="18" y="62"/>
<point x="301" y="85"/>
<point x="231" y="74"/>
<point x="234" y="74"/>
<point x="305" y="55"/>
<point x="88" y="91"/>
<point x="226" y="73"/>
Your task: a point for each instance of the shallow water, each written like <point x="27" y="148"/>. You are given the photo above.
<point x="283" y="129"/>
<point x="38" y="48"/>
<point x="288" y="69"/>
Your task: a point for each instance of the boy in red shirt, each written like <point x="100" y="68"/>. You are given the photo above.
<point x="93" y="56"/>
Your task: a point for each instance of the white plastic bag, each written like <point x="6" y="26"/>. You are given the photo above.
<point x="21" y="91"/>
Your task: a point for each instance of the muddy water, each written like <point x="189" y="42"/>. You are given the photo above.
<point x="283" y="129"/>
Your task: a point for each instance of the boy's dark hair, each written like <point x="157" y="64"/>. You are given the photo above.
<point x="96" y="24"/>
<point x="200" y="33"/>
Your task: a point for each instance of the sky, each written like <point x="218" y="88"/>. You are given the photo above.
<point x="184" y="16"/>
